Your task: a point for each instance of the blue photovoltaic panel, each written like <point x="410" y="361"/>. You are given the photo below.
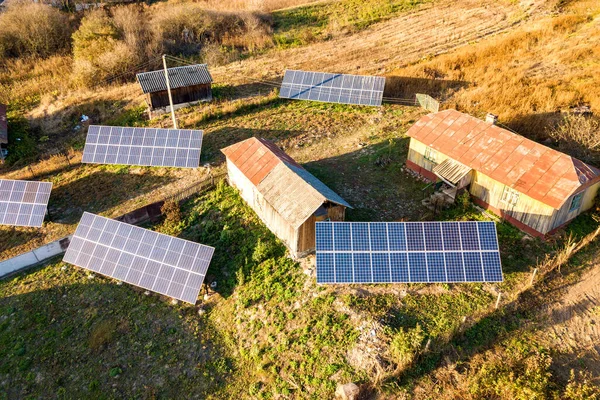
<point x="332" y="88"/>
<point x="403" y="252"/>
<point x="151" y="260"/>
<point x="143" y="146"/>
<point x="23" y="203"/>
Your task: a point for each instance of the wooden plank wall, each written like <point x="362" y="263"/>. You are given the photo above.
<point x="307" y="232"/>
<point x="180" y="95"/>
<point x="269" y="216"/>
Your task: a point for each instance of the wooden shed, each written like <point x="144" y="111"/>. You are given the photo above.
<point x="189" y="85"/>
<point x="286" y="197"/>
<point x="536" y="188"/>
<point x="3" y="132"/>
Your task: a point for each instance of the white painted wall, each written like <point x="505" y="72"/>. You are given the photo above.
<point x="31" y="258"/>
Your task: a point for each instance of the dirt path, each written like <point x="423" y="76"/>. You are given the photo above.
<point x="573" y="324"/>
<point x="431" y="30"/>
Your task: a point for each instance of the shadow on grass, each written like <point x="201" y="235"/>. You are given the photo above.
<point x="13" y="236"/>
<point x="372" y="180"/>
<point x="406" y="87"/>
<point x="228" y="135"/>
<point x="86" y="338"/>
<point x="97" y="192"/>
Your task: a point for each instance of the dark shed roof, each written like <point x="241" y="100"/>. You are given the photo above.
<point x="178" y="77"/>
<point x="3" y="125"/>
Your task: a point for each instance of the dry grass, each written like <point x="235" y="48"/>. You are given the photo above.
<point x="254" y="5"/>
<point x="526" y="76"/>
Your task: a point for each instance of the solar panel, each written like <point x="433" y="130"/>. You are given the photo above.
<point x="332" y="88"/>
<point x="143" y="146"/>
<point x="154" y="261"/>
<point x="23" y="203"/>
<point x="402" y="252"/>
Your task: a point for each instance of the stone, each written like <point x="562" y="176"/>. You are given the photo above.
<point x="349" y="391"/>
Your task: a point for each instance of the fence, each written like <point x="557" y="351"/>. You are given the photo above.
<point x="149" y="212"/>
<point x="428" y="102"/>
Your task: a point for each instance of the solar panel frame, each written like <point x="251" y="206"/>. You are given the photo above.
<point x="154" y="261"/>
<point x="332" y="88"/>
<point x="23" y="203"/>
<point x="155" y="147"/>
<point x="407" y="252"/>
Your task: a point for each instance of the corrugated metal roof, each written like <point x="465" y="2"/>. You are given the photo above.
<point x="540" y="172"/>
<point x="293" y="191"/>
<point x="178" y="77"/>
<point x="451" y="170"/>
<point x="3" y="125"/>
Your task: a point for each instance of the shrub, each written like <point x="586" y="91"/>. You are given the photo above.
<point x="406" y="345"/>
<point x="187" y="29"/>
<point x="33" y="30"/>
<point x="109" y="45"/>
<point x="579" y="136"/>
<point x="521" y="371"/>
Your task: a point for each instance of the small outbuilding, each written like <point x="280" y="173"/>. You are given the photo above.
<point x="3" y="132"/>
<point x="286" y="197"/>
<point x="534" y="187"/>
<point x="189" y="85"/>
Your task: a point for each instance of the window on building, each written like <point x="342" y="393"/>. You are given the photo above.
<point x="510" y="196"/>
<point x="430" y="154"/>
<point x="576" y="202"/>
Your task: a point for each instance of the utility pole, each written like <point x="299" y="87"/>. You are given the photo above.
<point x="169" y="91"/>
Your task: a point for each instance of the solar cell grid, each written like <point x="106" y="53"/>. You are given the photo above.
<point x="143" y="146"/>
<point x="23" y="203"/>
<point x="154" y="261"/>
<point x="377" y="252"/>
<point x="332" y="88"/>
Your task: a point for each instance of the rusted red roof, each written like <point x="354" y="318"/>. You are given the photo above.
<point x="293" y="191"/>
<point x="3" y="125"/>
<point x="540" y="172"/>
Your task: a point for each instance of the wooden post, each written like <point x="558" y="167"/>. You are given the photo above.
<point x="169" y="92"/>
<point x="533" y="276"/>
<point x="498" y="300"/>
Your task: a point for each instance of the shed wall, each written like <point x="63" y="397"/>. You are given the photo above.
<point x="180" y="95"/>
<point x="264" y="210"/>
<point x="307" y="231"/>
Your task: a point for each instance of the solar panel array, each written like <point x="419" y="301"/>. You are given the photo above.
<point x="23" y="203"/>
<point x="332" y="88"/>
<point x="143" y="146"/>
<point x="154" y="261"/>
<point x="395" y="252"/>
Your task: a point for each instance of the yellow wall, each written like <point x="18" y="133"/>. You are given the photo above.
<point x="532" y="213"/>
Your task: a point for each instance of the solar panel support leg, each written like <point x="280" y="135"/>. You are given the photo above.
<point x="169" y="92"/>
<point x="498" y="300"/>
<point x="533" y="276"/>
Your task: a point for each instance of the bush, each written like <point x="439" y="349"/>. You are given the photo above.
<point x="521" y="371"/>
<point x="109" y="45"/>
<point x="33" y="30"/>
<point x="406" y="345"/>
<point x="578" y="136"/>
<point x="187" y="29"/>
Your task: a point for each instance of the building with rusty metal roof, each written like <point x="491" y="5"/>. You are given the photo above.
<point x="189" y="84"/>
<point x="288" y="198"/>
<point x="536" y="188"/>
